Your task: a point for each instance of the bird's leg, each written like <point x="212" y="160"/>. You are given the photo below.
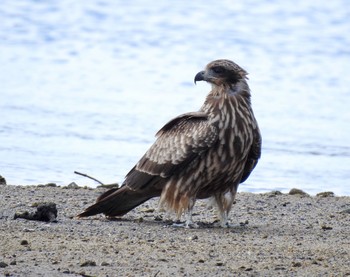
<point x="189" y="222"/>
<point x="224" y="219"/>
<point x="224" y="203"/>
<point x="188" y="215"/>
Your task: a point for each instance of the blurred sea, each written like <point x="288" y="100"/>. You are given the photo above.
<point x="85" y="85"/>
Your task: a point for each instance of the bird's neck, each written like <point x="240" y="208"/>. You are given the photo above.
<point x="233" y="95"/>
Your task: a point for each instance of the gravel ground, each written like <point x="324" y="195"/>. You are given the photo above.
<point x="273" y="234"/>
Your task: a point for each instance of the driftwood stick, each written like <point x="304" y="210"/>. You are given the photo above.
<point x="85" y="175"/>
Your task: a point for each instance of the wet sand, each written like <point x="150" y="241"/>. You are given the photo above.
<point x="273" y="234"/>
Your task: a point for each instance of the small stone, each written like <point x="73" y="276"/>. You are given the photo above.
<point x="246" y="222"/>
<point x="147" y="210"/>
<point x="53" y="185"/>
<point x="72" y="185"/>
<point x="195" y="237"/>
<point x="326" y="227"/>
<point x="325" y="194"/>
<point x="3" y="264"/>
<point x="219" y="264"/>
<point x="2" y="180"/>
<point x="24" y="242"/>
<point x="280" y="267"/>
<point x="105" y="264"/>
<point x="201" y="261"/>
<point x="296" y="264"/>
<point x="295" y="191"/>
<point x="27" y="230"/>
<point x="13" y="262"/>
<point x="273" y="193"/>
<point x="88" y="263"/>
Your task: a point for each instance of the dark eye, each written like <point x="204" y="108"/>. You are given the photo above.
<point x="218" y="69"/>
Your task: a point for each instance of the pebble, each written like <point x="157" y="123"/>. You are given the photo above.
<point x="296" y="264"/>
<point x="72" y="185"/>
<point x="147" y="210"/>
<point x="3" y="264"/>
<point x="105" y="264"/>
<point x="326" y="227"/>
<point x="24" y="242"/>
<point x="88" y="263"/>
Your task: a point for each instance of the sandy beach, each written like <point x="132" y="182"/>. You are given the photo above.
<point x="273" y="234"/>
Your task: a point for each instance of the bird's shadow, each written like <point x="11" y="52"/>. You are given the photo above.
<point x="174" y="225"/>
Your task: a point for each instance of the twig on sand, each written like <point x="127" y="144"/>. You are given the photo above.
<point x="85" y="175"/>
<point x="102" y="184"/>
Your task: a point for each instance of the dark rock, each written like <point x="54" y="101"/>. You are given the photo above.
<point x="105" y="264"/>
<point x="47" y="185"/>
<point x="296" y="264"/>
<point x="45" y="212"/>
<point x="53" y="185"/>
<point x="88" y="263"/>
<point x="326" y="227"/>
<point x="2" y="180"/>
<point x="325" y="194"/>
<point x="3" y="264"/>
<point x="297" y="192"/>
<point x="24" y="242"/>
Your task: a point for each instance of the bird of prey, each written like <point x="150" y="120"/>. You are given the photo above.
<point x="197" y="155"/>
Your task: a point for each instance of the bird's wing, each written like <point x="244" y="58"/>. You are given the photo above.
<point x="253" y="156"/>
<point x="179" y="142"/>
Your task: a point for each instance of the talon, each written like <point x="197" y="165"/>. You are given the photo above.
<point x="187" y="225"/>
<point x="192" y="225"/>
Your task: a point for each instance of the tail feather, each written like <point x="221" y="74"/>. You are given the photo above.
<point x="117" y="202"/>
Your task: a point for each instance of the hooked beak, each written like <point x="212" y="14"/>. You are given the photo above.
<point x="199" y="76"/>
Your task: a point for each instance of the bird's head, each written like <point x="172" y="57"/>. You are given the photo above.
<point x="221" y="72"/>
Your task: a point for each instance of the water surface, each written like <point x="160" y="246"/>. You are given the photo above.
<point x="85" y="85"/>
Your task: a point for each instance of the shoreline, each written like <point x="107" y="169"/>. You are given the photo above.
<point x="273" y="234"/>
